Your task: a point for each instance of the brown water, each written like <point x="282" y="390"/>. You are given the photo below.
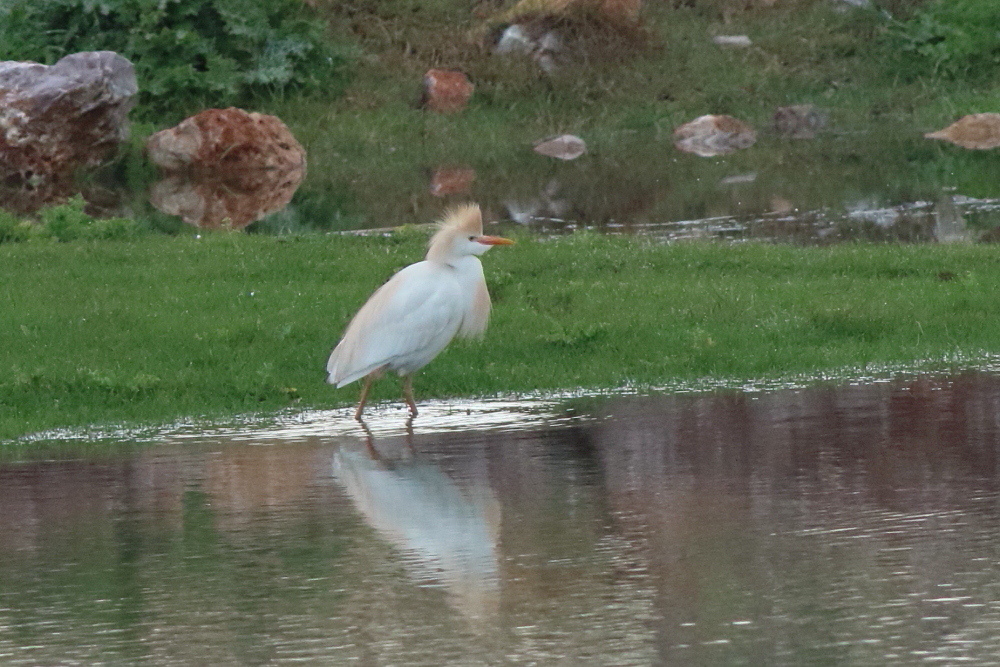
<point x="848" y="525"/>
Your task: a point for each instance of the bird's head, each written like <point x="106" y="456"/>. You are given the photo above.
<point x="461" y="233"/>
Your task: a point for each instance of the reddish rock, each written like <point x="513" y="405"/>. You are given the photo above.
<point x="451" y="180"/>
<point x="446" y="91"/>
<point x="979" y="131"/>
<point x="227" y="139"/>
<point x="57" y="118"/>
<point x="226" y="168"/>
<point x="712" y="135"/>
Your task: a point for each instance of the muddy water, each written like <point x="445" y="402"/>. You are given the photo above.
<point x="849" y="525"/>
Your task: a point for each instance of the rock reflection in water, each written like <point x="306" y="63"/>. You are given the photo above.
<point x="833" y="525"/>
<point x="225" y="198"/>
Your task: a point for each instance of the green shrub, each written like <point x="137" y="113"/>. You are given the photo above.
<point x="12" y="228"/>
<point x="955" y="39"/>
<point x="188" y="54"/>
<point x="69" y="222"/>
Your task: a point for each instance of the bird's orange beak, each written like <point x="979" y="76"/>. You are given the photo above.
<point x="494" y="240"/>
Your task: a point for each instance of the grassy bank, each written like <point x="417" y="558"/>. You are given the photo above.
<point x="158" y="328"/>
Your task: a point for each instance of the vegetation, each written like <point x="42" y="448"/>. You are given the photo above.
<point x="187" y="53"/>
<point x="65" y="222"/>
<point x="159" y="328"/>
<point x="950" y="39"/>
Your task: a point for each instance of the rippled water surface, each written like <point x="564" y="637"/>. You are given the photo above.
<point x="855" y="524"/>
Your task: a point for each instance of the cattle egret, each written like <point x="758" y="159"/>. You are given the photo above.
<point x="411" y="318"/>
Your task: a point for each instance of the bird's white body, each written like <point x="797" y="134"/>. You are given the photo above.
<point x="410" y="319"/>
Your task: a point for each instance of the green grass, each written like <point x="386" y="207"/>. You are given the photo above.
<point x="154" y="329"/>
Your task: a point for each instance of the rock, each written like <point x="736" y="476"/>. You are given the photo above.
<point x="799" y="121"/>
<point x="616" y="12"/>
<point x="739" y="179"/>
<point x="544" y="47"/>
<point x="451" y="180"/>
<point x="226" y="167"/>
<point x="55" y="119"/>
<point x="712" y="135"/>
<point x="625" y="12"/>
<point x="231" y="197"/>
<point x="565" y="147"/>
<point x="979" y="131"/>
<point x="446" y="91"/>
<point x="732" y="40"/>
<point x="227" y="139"/>
<point x="515" y="39"/>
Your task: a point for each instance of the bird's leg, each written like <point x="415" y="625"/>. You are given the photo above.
<point x="408" y="395"/>
<point x="409" y="435"/>
<point x="364" y="394"/>
<point x="370" y="442"/>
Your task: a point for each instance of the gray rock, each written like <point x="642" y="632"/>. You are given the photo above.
<point x="732" y="40"/>
<point x="565" y="147"/>
<point x="54" y="119"/>
<point x="515" y="39"/>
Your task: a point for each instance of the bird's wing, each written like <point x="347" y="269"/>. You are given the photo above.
<point x="416" y="311"/>
<point x="478" y="314"/>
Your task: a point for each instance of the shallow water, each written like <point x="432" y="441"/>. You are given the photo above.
<point x="884" y="183"/>
<point x="849" y="524"/>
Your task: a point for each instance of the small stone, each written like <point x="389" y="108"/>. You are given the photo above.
<point x="738" y="179"/>
<point x="979" y="131"/>
<point x="565" y="147"/>
<point x="741" y="41"/>
<point x="711" y="135"/>
<point x="451" y="180"/>
<point x="446" y="91"/>
<point x="514" y="39"/>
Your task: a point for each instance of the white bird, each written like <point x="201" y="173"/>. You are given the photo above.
<point x="411" y="318"/>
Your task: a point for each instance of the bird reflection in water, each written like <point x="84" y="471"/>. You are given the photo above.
<point x="446" y="532"/>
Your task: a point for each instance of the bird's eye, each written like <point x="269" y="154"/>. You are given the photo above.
<point x="472" y="238"/>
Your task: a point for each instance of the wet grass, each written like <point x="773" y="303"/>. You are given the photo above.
<point x="159" y="328"/>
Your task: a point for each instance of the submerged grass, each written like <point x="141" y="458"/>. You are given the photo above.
<point x="154" y="329"/>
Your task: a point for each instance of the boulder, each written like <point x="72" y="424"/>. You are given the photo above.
<point x="446" y="90"/>
<point x="227" y="139"/>
<point x="979" y="131"/>
<point x="225" y="168"/>
<point x="57" y="118"/>
<point x="712" y="135"/>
